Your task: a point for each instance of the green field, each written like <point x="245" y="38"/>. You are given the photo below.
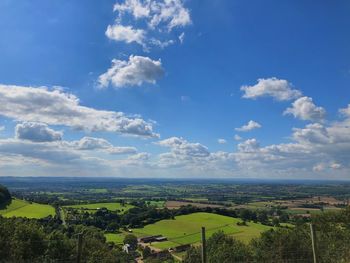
<point x="109" y="206"/>
<point x="20" y="208"/>
<point x="116" y="238"/>
<point x="186" y="229"/>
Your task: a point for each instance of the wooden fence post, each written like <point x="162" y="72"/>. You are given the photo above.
<point x="80" y="246"/>
<point x="313" y="242"/>
<point x="204" y="248"/>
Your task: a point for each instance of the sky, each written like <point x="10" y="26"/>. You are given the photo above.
<point x="175" y="88"/>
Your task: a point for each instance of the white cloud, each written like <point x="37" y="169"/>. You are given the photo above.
<point x="37" y="132"/>
<point x="159" y="17"/>
<point x="54" y="107"/>
<point x="251" y="125"/>
<point x="134" y="72"/>
<point x="319" y="167"/>
<point x="315" y="148"/>
<point x="161" y="44"/>
<point x="314" y="133"/>
<point x="345" y="111"/>
<point x="2" y="128"/>
<point x="249" y="145"/>
<point x="182" y="37"/>
<point x="137" y="8"/>
<point x="91" y="143"/>
<point x="222" y="141"/>
<point x="180" y="146"/>
<point x="237" y="137"/>
<point x="304" y="109"/>
<point x="51" y="152"/>
<point x="170" y="13"/>
<point x="126" y="34"/>
<point x="279" y="89"/>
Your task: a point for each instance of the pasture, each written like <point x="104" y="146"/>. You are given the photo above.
<point x="21" y="208"/>
<point x="185" y="229"/>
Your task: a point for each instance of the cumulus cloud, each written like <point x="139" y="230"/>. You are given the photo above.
<point x="55" y="107"/>
<point x="91" y="143"/>
<point x="315" y="148"/>
<point x="222" y="141"/>
<point x="37" y="132"/>
<point x="167" y="13"/>
<point x="126" y="34"/>
<point x="345" y="111"/>
<point x="249" y="145"/>
<point x="134" y="72"/>
<point x="279" y="89"/>
<point x="251" y="125"/>
<point x="237" y="137"/>
<point x="180" y="146"/>
<point x="158" y="19"/>
<point x="137" y="8"/>
<point x="304" y="109"/>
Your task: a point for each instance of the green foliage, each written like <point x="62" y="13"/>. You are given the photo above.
<point x="193" y="255"/>
<point x="146" y="252"/>
<point x="5" y="196"/>
<point x="131" y="240"/>
<point x="283" y="245"/>
<point x="221" y="248"/>
<point x="24" y="240"/>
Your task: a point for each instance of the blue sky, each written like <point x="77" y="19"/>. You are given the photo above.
<point x="196" y="89"/>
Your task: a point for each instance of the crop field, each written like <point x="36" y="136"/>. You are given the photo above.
<point x="186" y="229"/>
<point x="109" y="206"/>
<point x="20" y="208"/>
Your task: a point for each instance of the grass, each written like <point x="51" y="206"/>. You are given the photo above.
<point x="116" y="238"/>
<point x="20" y="208"/>
<point x="186" y="229"/>
<point x="110" y="206"/>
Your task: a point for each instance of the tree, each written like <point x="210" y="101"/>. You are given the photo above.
<point x="5" y="196"/>
<point x="146" y="252"/>
<point x="131" y="240"/>
<point x="221" y="248"/>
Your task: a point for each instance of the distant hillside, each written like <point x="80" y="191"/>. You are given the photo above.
<point x="5" y="196"/>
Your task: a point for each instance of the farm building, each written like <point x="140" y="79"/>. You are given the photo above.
<point x="149" y="239"/>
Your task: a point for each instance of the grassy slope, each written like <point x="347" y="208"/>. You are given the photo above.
<point x="186" y="229"/>
<point x="20" y="208"/>
<point x="109" y="206"/>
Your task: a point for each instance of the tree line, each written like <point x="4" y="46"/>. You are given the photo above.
<point x="280" y="245"/>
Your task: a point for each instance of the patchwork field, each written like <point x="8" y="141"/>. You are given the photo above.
<point x="186" y="229"/>
<point x="178" y="204"/>
<point x="109" y="206"/>
<point x="20" y="208"/>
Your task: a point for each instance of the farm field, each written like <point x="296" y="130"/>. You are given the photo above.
<point x="186" y="229"/>
<point x="20" y="208"/>
<point x="110" y="206"/>
<point x="178" y="204"/>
